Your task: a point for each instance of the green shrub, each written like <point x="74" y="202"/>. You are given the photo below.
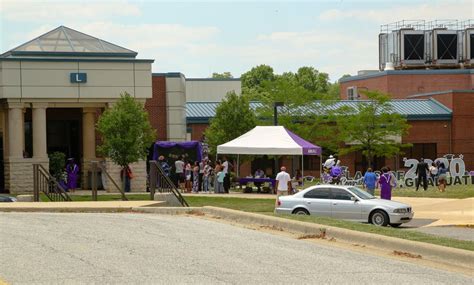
<point x="57" y="164"/>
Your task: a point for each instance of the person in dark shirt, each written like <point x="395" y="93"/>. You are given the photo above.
<point x="421" y="171"/>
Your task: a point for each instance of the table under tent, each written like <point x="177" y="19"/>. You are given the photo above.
<point x="270" y="140"/>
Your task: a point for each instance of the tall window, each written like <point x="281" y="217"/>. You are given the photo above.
<point x="419" y="150"/>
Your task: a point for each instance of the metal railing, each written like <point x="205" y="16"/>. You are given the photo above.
<point x="95" y="167"/>
<point x="161" y="182"/>
<point x="44" y="182"/>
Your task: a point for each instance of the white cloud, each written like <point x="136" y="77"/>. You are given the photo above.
<point x="431" y="10"/>
<point x="60" y="11"/>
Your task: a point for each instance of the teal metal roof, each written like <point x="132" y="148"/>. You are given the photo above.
<point x="412" y="109"/>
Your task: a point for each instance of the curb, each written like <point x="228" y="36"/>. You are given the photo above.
<point x="437" y="253"/>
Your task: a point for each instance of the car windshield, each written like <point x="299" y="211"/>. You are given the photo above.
<point x="361" y="193"/>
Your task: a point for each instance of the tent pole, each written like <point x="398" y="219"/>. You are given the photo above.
<point x="320" y="168"/>
<point x="302" y="170"/>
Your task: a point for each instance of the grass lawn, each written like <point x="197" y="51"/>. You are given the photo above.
<point x="266" y="206"/>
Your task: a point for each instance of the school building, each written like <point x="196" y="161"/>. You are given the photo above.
<point x="54" y="88"/>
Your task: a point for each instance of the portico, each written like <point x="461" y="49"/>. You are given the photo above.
<point x="52" y="92"/>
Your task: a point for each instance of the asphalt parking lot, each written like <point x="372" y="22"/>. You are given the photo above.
<point x="48" y="248"/>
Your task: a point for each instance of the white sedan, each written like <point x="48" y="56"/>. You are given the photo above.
<point x="347" y="203"/>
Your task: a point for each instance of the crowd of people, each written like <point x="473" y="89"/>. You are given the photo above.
<point x="198" y="176"/>
<point x="386" y="181"/>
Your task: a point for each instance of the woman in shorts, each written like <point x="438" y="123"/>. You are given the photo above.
<point x="442" y="177"/>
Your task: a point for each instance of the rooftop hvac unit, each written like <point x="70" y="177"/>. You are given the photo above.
<point x="403" y="47"/>
<point x="444" y="49"/>
<point x="468" y="46"/>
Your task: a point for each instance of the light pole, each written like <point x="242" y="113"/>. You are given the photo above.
<point x="275" y="123"/>
<point x="275" y="112"/>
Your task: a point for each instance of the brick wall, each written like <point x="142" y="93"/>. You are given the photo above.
<point x="156" y="106"/>
<point x="463" y="130"/>
<point x="401" y="86"/>
<point x="462" y="133"/>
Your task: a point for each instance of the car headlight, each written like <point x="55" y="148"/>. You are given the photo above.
<point x="400" y="211"/>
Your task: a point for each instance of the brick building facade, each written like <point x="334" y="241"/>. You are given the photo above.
<point x="430" y="138"/>
<point x="432" y="133"/>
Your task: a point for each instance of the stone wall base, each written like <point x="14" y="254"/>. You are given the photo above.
<point x="19" y="174"/>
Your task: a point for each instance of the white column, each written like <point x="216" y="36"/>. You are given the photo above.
<point x="39" y="131"/>
<point x="88" y="133"/>
<point x="15" y="130"/>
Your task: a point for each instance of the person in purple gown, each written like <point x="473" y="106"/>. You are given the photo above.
<point x="72" y="174"/>
<point x="385" y="184"/>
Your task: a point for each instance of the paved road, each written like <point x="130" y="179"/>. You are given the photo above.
<point x="46" y="248"/>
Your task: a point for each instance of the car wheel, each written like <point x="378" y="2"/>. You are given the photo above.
<point x="301" y="211"/>
<point x="395" y="225"/>
<point x="379" y="218"/>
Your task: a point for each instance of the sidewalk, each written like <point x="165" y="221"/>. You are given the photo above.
<point x="106" y="205"/>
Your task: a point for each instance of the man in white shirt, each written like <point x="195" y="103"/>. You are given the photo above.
<point x="330" y="162"/>
<point x="179" y="167"/>
<point x="283" y="183"/>
<point x="225" y="169"/>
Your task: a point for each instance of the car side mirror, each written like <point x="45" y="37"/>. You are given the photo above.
<point x="354" y="199"/>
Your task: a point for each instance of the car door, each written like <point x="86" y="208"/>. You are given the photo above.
<point x="342" y="207"/>
<point x="318" y="201"/>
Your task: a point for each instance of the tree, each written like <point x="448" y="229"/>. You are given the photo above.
<point x="255" y="77"/>
<point x="372" y="127"/>
<point x="313" y="80"/>
<point x="222" y="75"/>
<point x="233" y="118"/>
<point x="126" y="132"/>
<point x="300" y="113"/>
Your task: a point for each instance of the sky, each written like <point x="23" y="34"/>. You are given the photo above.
<point x="198" y="38"/>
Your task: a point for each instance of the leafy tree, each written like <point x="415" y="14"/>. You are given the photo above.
<point x="300" y="114"/>
<point x="126" y="132"/>
<point x="313" y="80"/>
<point x="222" y="75"/>
<point x="233" y="118"/>
<point x="255" y="77"/>
<point x="371" y="127"/>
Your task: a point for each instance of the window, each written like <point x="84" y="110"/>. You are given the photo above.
<point x="352" y="93"/>
<point x="340" y="194"/>
<point x="419" y="150"/>
<point x="318" y="193"/>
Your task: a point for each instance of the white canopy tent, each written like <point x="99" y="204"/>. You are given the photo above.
<point x="270" y="140"/>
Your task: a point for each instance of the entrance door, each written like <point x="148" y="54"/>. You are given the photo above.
<point x="64" y="132"/>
